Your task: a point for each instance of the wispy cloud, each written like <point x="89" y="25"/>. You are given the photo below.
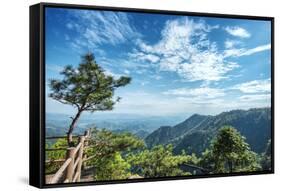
<point x="255" y="50"/>
<point x="100" y="27"/>
<point x="238" y="32"/>
<point x="255" y="86"/>
<point x="156" y="77"/>
<point x="256" y="92"/>
<point x="255" y="97"/>
<point x="231" y="43"/>
<point x="140" y="101"/>
<point x="235" y="52"/>
<point x="202" y="92"/>
<point x="140" y="56"/>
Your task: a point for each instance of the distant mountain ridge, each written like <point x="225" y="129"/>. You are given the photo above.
<point x="195" y="133"/>
<point x="140" y="125"/>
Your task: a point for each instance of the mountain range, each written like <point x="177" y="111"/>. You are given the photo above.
<point x="195" y="134"/>
<point x="140" y="125"/>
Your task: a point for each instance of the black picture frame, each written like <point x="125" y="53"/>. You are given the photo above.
<point x="37" y="92"/>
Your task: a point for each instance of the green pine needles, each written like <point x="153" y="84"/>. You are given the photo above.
<point x="87" y="88"/>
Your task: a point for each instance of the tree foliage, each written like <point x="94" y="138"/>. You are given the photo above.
<point x="104" y="143"/>
<point x="87" y="88"/>
<point x="113" y="167"/>
<point x="159" y="162"/>
<point x="266" y="157"/>
<point x="123" y="155"/>
<point x="107" y="150"/>
<point x="229" y="153"/>
<point x="53" y="166"/>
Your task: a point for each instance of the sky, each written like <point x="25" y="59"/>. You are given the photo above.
<point x="178" y="64"/>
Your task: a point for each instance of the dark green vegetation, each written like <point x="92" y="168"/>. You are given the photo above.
<point x="160" y="162"/>
<point x="87" y="88"/>
<point x="109" y="151"/>
<point x="230" y="153"/>
<point x="121" y="155"/>
<point x="194" y="135"/>
<point x="54" y="155"/>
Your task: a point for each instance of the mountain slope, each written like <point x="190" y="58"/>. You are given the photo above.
<point x="196" y="133"/>
<point x="165" y="134"/>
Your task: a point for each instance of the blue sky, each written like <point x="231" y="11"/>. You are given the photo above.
<point x="178" y="64"/>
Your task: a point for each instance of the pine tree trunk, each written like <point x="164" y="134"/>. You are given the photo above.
<point x="71" y="128"/>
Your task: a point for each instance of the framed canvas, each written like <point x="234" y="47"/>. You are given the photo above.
<point x="121" y="95"/>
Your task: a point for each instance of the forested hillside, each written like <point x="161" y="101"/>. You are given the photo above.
<point x="194" y="135"/>
<point x="235" y="141"/>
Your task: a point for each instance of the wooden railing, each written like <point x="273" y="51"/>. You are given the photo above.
<point x="70" y="171"/>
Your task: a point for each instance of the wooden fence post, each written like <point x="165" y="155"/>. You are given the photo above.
<point x="80" y="156"/>
<point x="87" y="135"/>
<point x="70" y="153"/>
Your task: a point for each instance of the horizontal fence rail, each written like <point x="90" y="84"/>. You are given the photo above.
<point x="64" y="137"/>
<point x="70" y="170"/>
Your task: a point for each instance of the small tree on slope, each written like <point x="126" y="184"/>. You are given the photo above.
<point x="87" y="88"/>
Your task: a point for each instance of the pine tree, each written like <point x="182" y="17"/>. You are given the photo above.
<point x="87" y="88"/>
<point x="107" y="149"/>
<point x="229" y="153"/>
<point x="159" y="162"/>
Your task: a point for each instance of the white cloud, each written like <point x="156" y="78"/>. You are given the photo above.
<point x="141" y="102"/>
<point x="123" y="66"/>
<point x="255" y="97"/>
<point x="185" y="49"/>
<point x="238" y="32"/>
<point x="144" y="47"/>
<point x="127" y="72"/>
<point x="152" y="58"/>
<point x="140" y="56"/>
<point x="114" y="74"/>
<point x="255" y="86"/>
<point x="110" y="73"/>
<point x="257" y="49"/>
<point x="171" y="63"/>
<point x="231" y="43"/>
<point x="99" y="27"/>
<point x="205" y="103"/>
<point x="202" y="92"/>
<point x="235" y="52"/>
<point x="255" y="94"/>
<point x="156" y="77"/>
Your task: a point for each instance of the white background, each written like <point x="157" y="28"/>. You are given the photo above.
<point x="14" y="73"/>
